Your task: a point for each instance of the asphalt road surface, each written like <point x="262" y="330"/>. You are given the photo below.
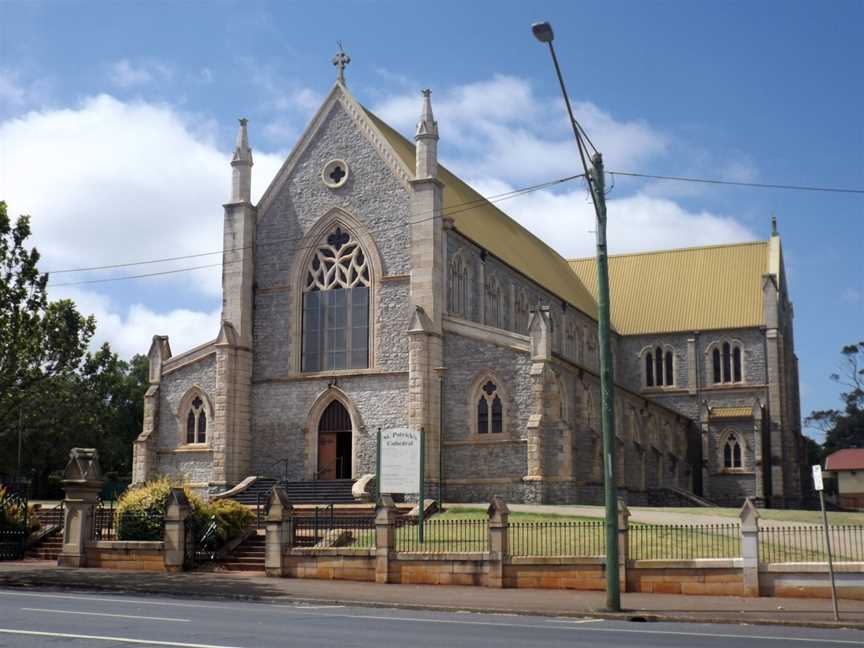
<point x="45" y="618"/>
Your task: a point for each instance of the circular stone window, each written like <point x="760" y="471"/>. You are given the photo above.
<point x="335" y="173"/>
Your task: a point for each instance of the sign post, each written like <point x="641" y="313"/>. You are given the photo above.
<point x="401" y="457"/>
<point x="818" y="485"/>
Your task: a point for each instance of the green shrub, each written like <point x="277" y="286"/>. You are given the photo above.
<point x="12" y="513"/>
<point x="140" y="515"/>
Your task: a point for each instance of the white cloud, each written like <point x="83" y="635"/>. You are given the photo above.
<point x="565" y="220"/>
<point x="130" y="330"/>
<point x="125" y="74"/>
<point x="503" y="128"/>
<point x="16" y="92"/>
<point x="113" y="181"/>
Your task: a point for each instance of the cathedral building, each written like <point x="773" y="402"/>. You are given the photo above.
<point x="371" y="288"/>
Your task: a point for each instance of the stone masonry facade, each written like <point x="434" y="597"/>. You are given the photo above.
<point x="451" y="328"/>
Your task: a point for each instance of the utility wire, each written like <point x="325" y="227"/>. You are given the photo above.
<point x="466" y="206"/>
<point x="758" y="185"/>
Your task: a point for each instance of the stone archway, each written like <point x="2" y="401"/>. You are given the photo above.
<point x="323" y="402"/>
<point x="335" y="433"/>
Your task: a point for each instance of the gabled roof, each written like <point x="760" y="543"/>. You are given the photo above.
<point x="847" y="459"/>
<point x="489" y="227"/>
<point x="688" y="289"/>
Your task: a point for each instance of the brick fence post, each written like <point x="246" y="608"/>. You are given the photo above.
<point x="82" y="482"/>
<point x="623" y="542"/>
<point x="280" y="531"/>
<point x="749" y="517"/>
<point x="176" y="511"/>
<point x="499" y="548"/>
<point x="385" y="537"/>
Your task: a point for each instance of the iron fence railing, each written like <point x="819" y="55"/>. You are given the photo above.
<point x="327" y="527"/>
<point x="683" y="541"/>
<point x="442" y="536"/>
<point x="783" y="544"/>
<point x="565" y="538"/>
<point x="103" y="522"/>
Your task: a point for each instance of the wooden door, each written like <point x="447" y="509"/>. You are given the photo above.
<point x="326" y="455"/>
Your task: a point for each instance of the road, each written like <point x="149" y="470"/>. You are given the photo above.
<point x="47" y="618"/>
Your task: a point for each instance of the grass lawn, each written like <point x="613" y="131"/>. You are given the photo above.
<point x="780" y="515"/>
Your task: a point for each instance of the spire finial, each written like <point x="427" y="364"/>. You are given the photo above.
<point x="340" y="61"/>
<point x="427" y="126"/>
<point x="774" y="231"/>
<point x="242" y="152"/>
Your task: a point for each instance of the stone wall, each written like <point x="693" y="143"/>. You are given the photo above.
<point x="137" y="556"/>
<point x="281" y="429"/>
<point x="519" y="290"/>
<point x="193" y="466"/>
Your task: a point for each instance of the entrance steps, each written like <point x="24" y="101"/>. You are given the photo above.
<point x="331" y="491"/>
<point x="248" y="556"/>
<point x="48" y="548"/>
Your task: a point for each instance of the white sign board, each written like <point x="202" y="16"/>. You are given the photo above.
<point x="817" y="477"/>
<point x="400" y="460"/>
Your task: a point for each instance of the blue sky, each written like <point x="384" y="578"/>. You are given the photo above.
<point x="117" y="121"/>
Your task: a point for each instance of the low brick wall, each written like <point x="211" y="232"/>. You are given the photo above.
<point x="555" y="573"/>
<point x="811" y="580"/>
<point x="440" y="569"/>
<point x="132" y="555"/>
<point x="695" y="577"/>
<point x="331" y="564"/>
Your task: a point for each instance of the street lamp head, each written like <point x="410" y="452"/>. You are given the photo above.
<point x="543" y="32"/>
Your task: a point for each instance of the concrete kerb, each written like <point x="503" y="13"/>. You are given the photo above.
<point x="136" y="586"/>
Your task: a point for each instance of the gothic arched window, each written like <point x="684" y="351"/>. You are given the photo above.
<point x="659" y="367"/>
<point x="459" y="287"/>
<point x="490" y="409"/>
<point x="726" y="363"/>
<point x="521" y="310"/>
<point x="336" y="305"/>
<point x="495" y="310"/>
<point x="196" y="420"/>
<point x="732" y="452"/>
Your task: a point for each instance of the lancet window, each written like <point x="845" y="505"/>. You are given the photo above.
<point x="490" y="409"/>
<point x="521" y="311"/>
<point x="732" y="455"/>
<point x="459" y="287"/>
<point x="659" y="367"/>
<point x="196" y="421"/>
<point x="336" y="305"/>
<point x="726" y="363"/>
<point x="495" y="307"/>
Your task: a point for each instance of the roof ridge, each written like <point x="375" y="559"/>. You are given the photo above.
<point x="691" y="248"/>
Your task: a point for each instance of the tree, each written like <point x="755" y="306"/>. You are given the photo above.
<point x="844" y="428"/>
<point x="39" y="340"/>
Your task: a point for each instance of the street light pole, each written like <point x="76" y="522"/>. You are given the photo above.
<point x="596" y="185"/>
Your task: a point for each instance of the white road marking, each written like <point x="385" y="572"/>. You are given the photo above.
<point x="297" y="609"/>
<point x="105" y="614"/>
<point x="573" y="620"/>
<point x="145" y="642"/>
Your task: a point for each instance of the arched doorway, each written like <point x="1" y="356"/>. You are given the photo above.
<point x="334" y="442"/>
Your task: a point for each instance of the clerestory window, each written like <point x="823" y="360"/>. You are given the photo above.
<point x="659" y="368"/>
<point x="336" y="306"/>
<point x="726" y="363"/>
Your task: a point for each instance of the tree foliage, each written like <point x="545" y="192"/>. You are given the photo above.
<point x="52" y="389"/>
<point x="844" y="428"/>
<point x="39" y="340"/>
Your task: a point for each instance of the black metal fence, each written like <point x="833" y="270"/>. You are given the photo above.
<point x="683" y="541"/>
<point x="565" y="538"/>
<point x="783" y="544"/>
<point x="103" y="521"/>
<point x="327" y="527"/>
<point x="14" y="523"/>
<point x="442" y="536"/>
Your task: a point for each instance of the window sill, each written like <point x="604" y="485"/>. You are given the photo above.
<point x="484" y="439"/>
<point x="735" y="471"/>
<point x="192" y="447"/>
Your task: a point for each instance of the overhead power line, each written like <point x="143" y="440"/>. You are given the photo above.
<point x="453" y="209"/>
<point x="758" y="185"/>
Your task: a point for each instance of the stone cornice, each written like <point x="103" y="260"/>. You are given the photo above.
<point x="330" y="375"/>
<point x="473" y="330"/>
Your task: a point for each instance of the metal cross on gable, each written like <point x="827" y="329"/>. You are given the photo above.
<point x="340" y="61"/>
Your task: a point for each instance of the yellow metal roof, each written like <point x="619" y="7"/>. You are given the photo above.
<point x="689" y="289"/>
<point x="482" y="222"/>
<point x="731" y="412"/>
